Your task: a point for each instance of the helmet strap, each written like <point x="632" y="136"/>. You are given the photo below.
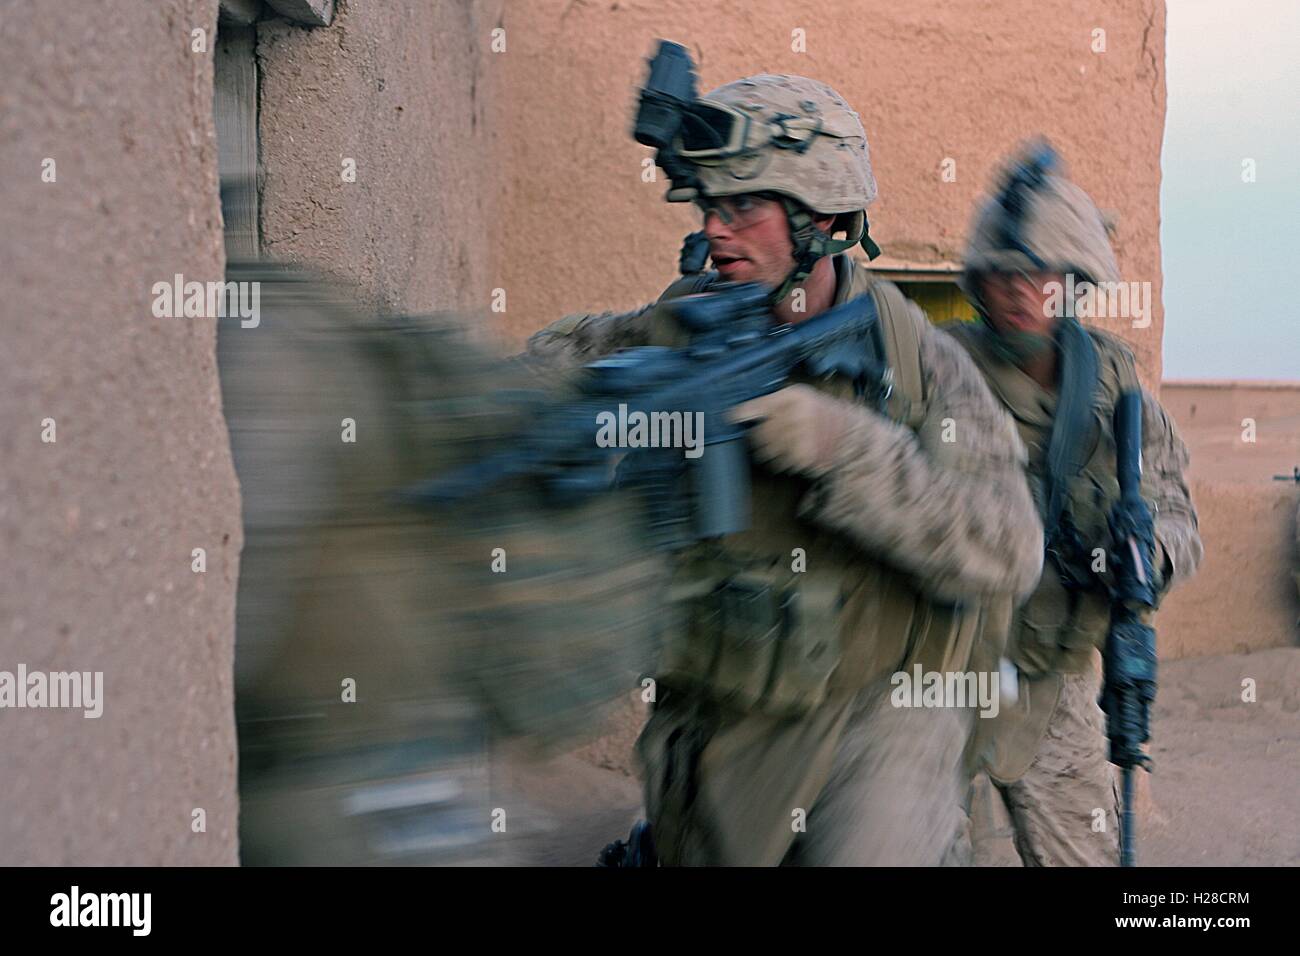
<point x="811" y="244"/>
<point x="868" y="244"/>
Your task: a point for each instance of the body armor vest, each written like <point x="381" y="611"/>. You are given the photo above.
<point x="778" y="617"/>
<point x="1068" y="614"/>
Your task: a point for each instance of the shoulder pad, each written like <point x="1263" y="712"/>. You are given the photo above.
<point x="689" y="285"/>
<point x="566" y="325"/>
<point x="900" y="319"/>
<point x="1115" y="354"/>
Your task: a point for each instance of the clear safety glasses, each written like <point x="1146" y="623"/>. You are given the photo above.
<point x="738" y="212"/>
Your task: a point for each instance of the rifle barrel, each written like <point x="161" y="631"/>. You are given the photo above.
<point x="1128" y="443"/>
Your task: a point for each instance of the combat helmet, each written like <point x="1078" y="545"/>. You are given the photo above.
<point x="1037" y="221"/>
<point x="788" y="135"/>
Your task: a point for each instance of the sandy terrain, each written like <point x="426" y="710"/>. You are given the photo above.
<point x="1223" y="792"/>
<point x="1226" y="774"/>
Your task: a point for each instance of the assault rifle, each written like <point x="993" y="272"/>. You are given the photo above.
<point x="1130" y="656"/>
<point x="735" y="354"/>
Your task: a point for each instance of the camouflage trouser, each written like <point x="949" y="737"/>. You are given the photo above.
<point x="1054" y="806"/>
<point x="894" y="793"/>
<point x="857" y="782"/>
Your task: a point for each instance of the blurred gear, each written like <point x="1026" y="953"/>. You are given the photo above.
<point x="381" y="648"/>
<point x="1037" y="221"/>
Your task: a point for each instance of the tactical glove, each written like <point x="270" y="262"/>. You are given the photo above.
<point x="797" y="429"/>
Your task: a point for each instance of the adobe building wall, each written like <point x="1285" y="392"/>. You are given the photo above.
<point x="404" y="91"/>
<point x="1244" y="597"/>
<point x="99" y="525"/>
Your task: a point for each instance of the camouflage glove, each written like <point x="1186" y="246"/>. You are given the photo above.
<point x="797" y="429"/>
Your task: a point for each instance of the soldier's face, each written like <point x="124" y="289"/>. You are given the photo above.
<point x="1022" y="301"/>
<point x="755" y="245"/>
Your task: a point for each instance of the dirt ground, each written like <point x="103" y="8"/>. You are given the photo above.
<point x="1226" y="772"/>
<point x="1224" y="790"/>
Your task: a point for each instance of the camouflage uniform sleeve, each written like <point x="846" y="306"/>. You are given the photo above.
<point x="576" y="340"/>
<point x="948" y="503"/>
<point x="1164" y="459"/>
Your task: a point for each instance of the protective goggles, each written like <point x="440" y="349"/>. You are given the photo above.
<point x="713" y="132"/>
<point x="739" y="212"/>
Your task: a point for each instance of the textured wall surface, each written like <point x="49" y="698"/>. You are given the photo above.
<point x="1243" y="598"/>
<point x="98" y="526"/>
<point x="403" y="90"/>
<point x="931" y="80"/>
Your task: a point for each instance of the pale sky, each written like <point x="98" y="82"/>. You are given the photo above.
<point x="1232" y="305"/>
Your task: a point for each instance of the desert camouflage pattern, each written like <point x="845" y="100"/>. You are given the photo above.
<point x="1054" y="635"/>
<point x="906" y="482"/>
<point x="1065" y="806"/>
<point x="950" y="513"/>
<point x="1048" y="754"/>
<point x="1062" y="227"/>
<point x="832" y="175"/>
<point x="903" y="511"/>
<point x="1164" y="461"/>
<point x="894" y="790"/>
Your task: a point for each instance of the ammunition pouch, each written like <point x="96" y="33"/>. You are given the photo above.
<point x="1058" y="628"/>
<point x="752" y="634"/>
<point x="755" y="636"/>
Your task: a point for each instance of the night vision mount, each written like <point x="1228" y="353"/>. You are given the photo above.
<point x="667" y="99"/>
<point x="1026" y="176"/>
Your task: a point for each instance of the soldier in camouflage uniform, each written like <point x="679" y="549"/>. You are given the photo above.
<point x="878" y="541"/>
<point x="1048" y="755"/>
<point x="379" y="656"/>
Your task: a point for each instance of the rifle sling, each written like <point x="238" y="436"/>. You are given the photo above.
<point x="1072" y="424"/>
